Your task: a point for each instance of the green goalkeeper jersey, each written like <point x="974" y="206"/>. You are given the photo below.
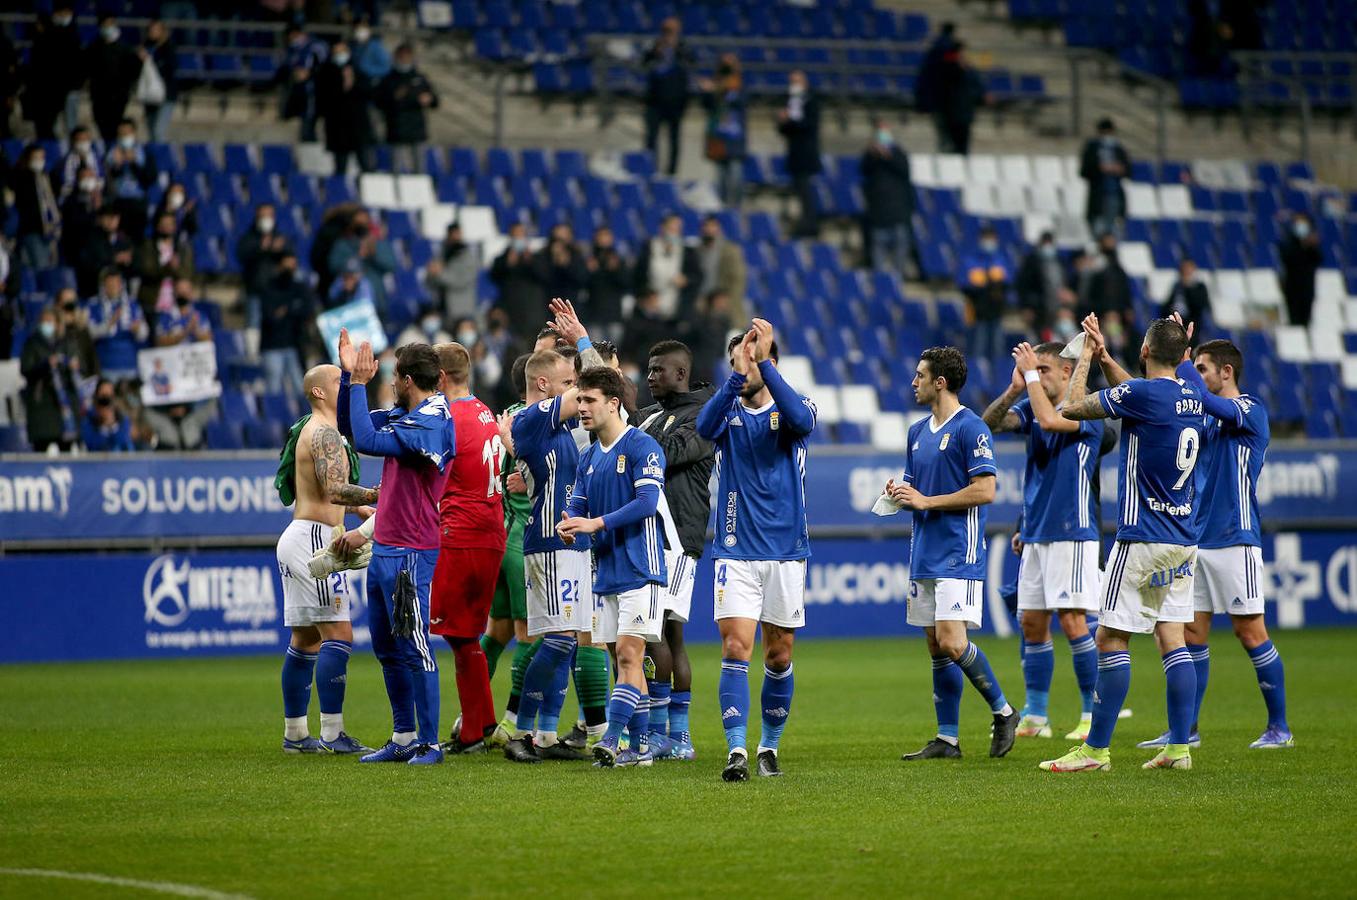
<point x="517" y="507"/>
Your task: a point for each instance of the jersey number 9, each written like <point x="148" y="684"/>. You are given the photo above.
<point x="1189" y="442"/>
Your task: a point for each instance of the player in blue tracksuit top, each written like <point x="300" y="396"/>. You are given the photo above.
<point x="1147" y="586"/>
<point x="619" y="499"/>
<point x="948" y="480"/>
<point x="1230" y="575"/>
<point x="759" y="425"/>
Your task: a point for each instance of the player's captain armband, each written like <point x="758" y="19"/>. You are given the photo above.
<point x="885" y="506"/>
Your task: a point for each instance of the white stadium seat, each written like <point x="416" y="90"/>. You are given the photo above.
<point x="1350" y="315"/>
<point x="1174" y="201"/>
<point x="827" y="405"/>
<point x="11" y="391"/>
<point x="1326" y="342"/>
<point x="890" y="432"/>
<point x="1329" y="285"/>
<point x="1071" y="166"/>
<point x="1015" y="169"/>
<point x="377" y="189"/>
<point x="922" y="169"/>
<point x="1043" y="198"/>
<point x="797" y="370"/>
<point x="1236" y="174"/>
<point x="1228" y="312"/>
<point x="982" y="167"/>
<point x="1071" y="231"/>
<point x="1293" y="344"/>
<point x="1350" y="373"/>
<point x="1230" y="283"/>
<point x="1327" y="311"/>
<point x="949" y="169"/>
<point x="478" y="223"/>
<point x="415" y="191"/>
<point x="1010" y="199"/>
<point x="1048" y="170"/>
<point x="1033" y="224"/>
<point x="1135" y="258"/>
<point x="1074" y="196"/>
<point x="1141" y="201"/>
<point x="1158" y="284"/>
<point x="1263" y="288"/>
<point x="434" y="220"/>
<point x="858" y="403"/>
<point x="978" y="199"/>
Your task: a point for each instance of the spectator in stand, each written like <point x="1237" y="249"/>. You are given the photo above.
<point x="365" y="241"/>
<point x="724" y="100"/>
<point x="39" y="227"/>
<point x="370" y="55"/>
<point x="1042" y="286"/>
<point x="129" y="172"/>
<point x="107" y="247"/>
<point x="80" y="214"/>
<point x="73" y="331"/>
<point x="333" y="225"/>
<point x="55" y="72"/>
<point x="182" y="323"/>
<point x="670" y="269"/>
<point x="1301" y="257"/>
<point x="452" y="277"/>
<point x="161" y="53"/>
<point x="426" y="329"/>
<point x="960" y="93"/>
<point x="1188" y="297"/>
<point x="50" y="398"/>
<point x="352" y="286"/>
<point x="106" y="428"/>
<point x="708" y="334"/>
<point x="117" y="326"/>
<point x="666" y="96"/>
<point x="985" y="279"/>
<point x="82" y="155"/>
<point x="1206" y="44"/>
<point x="1105" y="289"/>
<point x="648" y="325"/>
<point x="176" y="203"/>
<point x="561" y="265"/>
<point x="113" y="68"/>
<point x="297" y="76"/>
<point x="723" y="270"/>
<point x="500" y="348"/>
<point x="799" y="122"/>
<point x="889" y="194"/>
<point x="610" y="280"/>
<point x="927" y="87"/>
<point x="1104" y="163"/>
<point x="404" y="96"/>
<point x="287" y="306"/>
<point x="179" y="426"/>
<point x="521" y="295"/>
<point x="259" y="251"/>
<point x="161" y="259"/>
<point x="344" y="97"/>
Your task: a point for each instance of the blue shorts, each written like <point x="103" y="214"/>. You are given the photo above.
<point x="387" y="564"/>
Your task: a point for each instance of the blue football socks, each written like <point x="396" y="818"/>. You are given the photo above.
<point x="1084" y="650"/>
<point x="733" y="691"/>
<point x="621" y="706"/>
<point x="1201" y="662"/>
<point x="776" y="700"/>
<point x="947" y="687"/>
<point x="1038" y="665"/>
<point x="1109" y="694"/>
<point x="1267" y="662"/>
<point x="679" y="702"/>
<point x="976" y="666"/>
<point x="297" y="670"/>
<point x="659" y="692"/>
<point x="1180" y="681"/>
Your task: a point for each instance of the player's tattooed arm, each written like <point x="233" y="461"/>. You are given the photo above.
<point x="1078" y="404"/>
<point x="997" y="415"/>
<point x="332" y="470"/>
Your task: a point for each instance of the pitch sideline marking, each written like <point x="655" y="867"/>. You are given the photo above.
<point x="161" y="887"/>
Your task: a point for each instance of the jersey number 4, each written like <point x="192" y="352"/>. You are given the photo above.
<point x="1189" y="443"/>
<point x="491" y="454"/>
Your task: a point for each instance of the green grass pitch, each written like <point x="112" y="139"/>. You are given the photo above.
<point x="171" y="772"/>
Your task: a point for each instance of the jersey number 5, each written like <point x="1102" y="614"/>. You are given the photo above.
<point x="1189" y="442"/>
<point x="490" y="455"/>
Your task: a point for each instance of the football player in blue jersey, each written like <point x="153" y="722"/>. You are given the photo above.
<point x="759" y="425"/>
<point x="1230" y="572"/>
<point x="619" y="499"/>
<point x="949" y="479"/>
<point x="1147" y="586"/>
<point x="1059" y="534"/>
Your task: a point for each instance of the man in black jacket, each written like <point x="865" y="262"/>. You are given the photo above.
<point x="1188" y="298"/>
<point x="55" y="71"/>
<point x="404" y="96"/>
<point x="1103" y="164"/>
<point x="343" y="96"/>
<point x="889" y="192"/>
<point x="672" y="421"/>
<point x="799" y="122"/>
<point x="610" y="280"/>
<point x="113" y="68"/>
<point x="1301" y="256"/>
<point x="521" y="294"/>
<point x="666" y="96"/>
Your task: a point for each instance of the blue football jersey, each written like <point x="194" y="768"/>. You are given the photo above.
<point x="759" y="507"/>
<point x="547" y="456"/>
<point x="1058" y="503"/>
<point x="943" y="460"/>
<point x="1162" y="435"/>
<point x="629" y="556"/>
<point x="1232" y="459"/>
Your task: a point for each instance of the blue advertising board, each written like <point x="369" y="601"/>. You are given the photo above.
<point x="139" y="605"/>
<point x="158" y="496"/>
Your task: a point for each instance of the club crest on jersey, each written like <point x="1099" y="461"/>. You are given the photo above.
<point x="621" y="463"/>
<point x="946" y="439"/>
<point x="773" y="421"/>
<point x="668" y="422"/>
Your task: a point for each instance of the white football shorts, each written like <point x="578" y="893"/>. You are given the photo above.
<point x="308" y="600"/>
<point x="1229" y="580"/>
<point x="678" y="596"/>
<point x="772" y="591"/>
<point x="934" y="600"/>
<point x="635" y="613"/>
<point x="1059" y="575"/>
<point x="560" y="586"/>
<point x="1145" y="584"/>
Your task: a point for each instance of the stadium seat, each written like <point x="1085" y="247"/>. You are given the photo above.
<point x="1293" y="344"/>
<point x="377" y="189"/>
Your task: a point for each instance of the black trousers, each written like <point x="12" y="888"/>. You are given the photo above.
<point x="673" y="120"/>
<point x="809" y="223"/>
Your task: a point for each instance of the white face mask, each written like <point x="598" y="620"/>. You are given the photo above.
<point x="361" y="35"/>
<point x="83" y="147"/>
<point x="37" y="164"/>
<point x="127" y="141"/>
<point x="1302" y="229"/>
<point x="62" y="20"/>
<point x="467" y="337"/>
<point x="341" y="59"/>
<point x="89" y="185"/>
<point x="430" y="325"/>
<point x="989" y="246"/>
<point x="265" y="225"/>
<point x="110" y="33"/>
<point x="175" y="201"/>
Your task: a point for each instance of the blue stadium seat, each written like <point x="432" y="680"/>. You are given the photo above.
<point x="221" y="434"/>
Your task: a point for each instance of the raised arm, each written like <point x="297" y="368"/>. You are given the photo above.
<point x="1078" y="404"/>
<point x="711" y="418"/>
<point x="998" y="415"/>
<point x="331" y="462"/>
<point x="1219" y="407"/>
<point x="798" y="413"/>
<point x="366" y="438"/>
<point x="1113" y="373"/>
<point x="1043" y="410"/>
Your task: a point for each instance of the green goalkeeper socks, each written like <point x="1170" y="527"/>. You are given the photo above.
<point x="591" y="683"/>
<point x="492" y="650"/>
<point x="522" y="657"/>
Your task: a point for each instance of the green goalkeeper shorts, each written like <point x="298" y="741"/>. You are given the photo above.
<point x="511" y="593"/>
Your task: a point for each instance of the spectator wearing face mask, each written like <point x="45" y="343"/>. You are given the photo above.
<point x="160" y="52"/>
<point x="81" y="155"/>
<point x="799" y="122"/>
<point x="452" y="276"/>
<point x="723" y="269"/>
<point x="288" y="305"/>
<point x="106" y="428"/>
<point x="259" y="250"/>
<point x="405" y="96"/>
<point x="176" y="203"/>
<point x="334" y="223"/>
<point x="118" y="327"/>
<point x="889" y="194"/>
<point x="183" y="323"/>
<point x="370" y="55"/>
<point x="426" y="329"/>
<point x="1105" y="289"/>
<point x="160" y="260"/>
<point x="106" y="247"/>
<point x="36" y="204"/>
<point x="610" y="280"/>
<point x="985" y="278"/>
<point x="74" y="333"/>
<point x="670" y="269"/>
<point x="130" y="171"/>
<point x="1301" y="258"/>
<point x="724" y="99"/>
<point x="521" y="295"/>
<point x="113" y="68"/>
<point x="297" y="78"/>
<point x="498" y="341"/>
<point x="1104" y="164"/>
<point x="50" y="399"/>
<point x="344" y="97"/>
<point x="365" y="242"/>
<point x="561" y="264"/>
<point x="80" y="214"/>
<point x="352" y="286"/>
<point x="666" y="95"/>
<point x="1042" y="285"/>
<point x="1188" y="297"/>
<point x="55" y="72"/>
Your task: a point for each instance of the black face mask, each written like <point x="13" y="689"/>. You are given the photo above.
<point x="103" y="401"/>
<point x="68" y="308"/>
<point x="184" y="302"/>
<point x="455" y="247"/>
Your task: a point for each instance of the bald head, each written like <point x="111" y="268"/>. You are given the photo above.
<point x="321" y="387"/>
